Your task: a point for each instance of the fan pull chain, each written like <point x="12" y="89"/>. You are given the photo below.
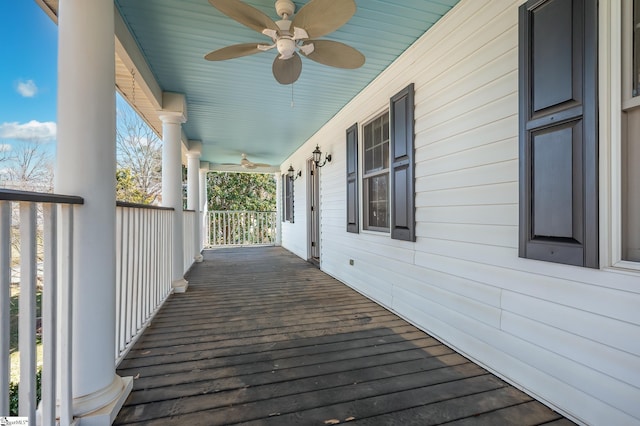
<point x="293" y="104"/>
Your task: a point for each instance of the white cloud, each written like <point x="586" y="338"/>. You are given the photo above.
<point x="33" y="130"/>
<point x="5" y="147"/>
<point x="28" y="88"/>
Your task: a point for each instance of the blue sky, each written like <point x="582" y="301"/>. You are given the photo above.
<point x="28" y="77"/>
<point x="28" y="74"/>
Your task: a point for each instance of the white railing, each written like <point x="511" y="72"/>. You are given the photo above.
<point x="24" y="233"/>
<point x="188" y="236"/>
<point x="143" y="269"/>
<point x="241" y="228"/>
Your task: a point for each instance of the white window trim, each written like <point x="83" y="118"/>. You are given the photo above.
<point x="361" y="174"/>
<point x="612" y="64"/>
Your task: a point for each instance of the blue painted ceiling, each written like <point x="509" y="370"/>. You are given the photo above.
<point x="236" y="106"/>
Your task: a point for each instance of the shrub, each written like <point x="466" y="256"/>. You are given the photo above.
<point x="13" y="393"/>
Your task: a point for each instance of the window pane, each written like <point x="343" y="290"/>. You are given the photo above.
<point x="385" y="155"/>
<point x="636" y="48"/>
<point x="376" y="161"/>
<point x="631" y="189"/>
<point x="368" y="160"/>
<point x="378" y="201"/>
<point x="376" y="144"/>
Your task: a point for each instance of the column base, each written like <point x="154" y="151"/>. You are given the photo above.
<point x="180" y="285"/>
<point x="99" y="408"/>
<point x="198" y="258"/>
<point x="106" y="415"/>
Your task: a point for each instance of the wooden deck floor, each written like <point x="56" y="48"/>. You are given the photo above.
<point x="264" y="338"/>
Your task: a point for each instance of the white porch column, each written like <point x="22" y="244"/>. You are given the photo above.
<point x="86" y="166"/>
<point x="193" y="192"/>
<point x="204" y="205"/>
<point x="172" y="116"/>
<point x="279" y="208"/>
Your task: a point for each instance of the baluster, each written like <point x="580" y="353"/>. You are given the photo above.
<point x="130" y="273"/>
<point x="5" y="303"/>
<point x="119" y="279"/>
<point x="136" y="273"/>
<point x="27" y="306"/>
<point x="49" y="316"/>
<point x="65" y="312"/>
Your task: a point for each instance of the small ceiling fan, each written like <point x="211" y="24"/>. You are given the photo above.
<point x="244" y="162"/>
<point x="315" y="19"/>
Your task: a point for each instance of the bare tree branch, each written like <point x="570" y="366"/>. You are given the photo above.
<point x="29" y="167"/>
<point x="139" y="151"/>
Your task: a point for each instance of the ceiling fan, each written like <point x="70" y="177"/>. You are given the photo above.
<point x="244" y="162"/>
<point x="315" y="19"/>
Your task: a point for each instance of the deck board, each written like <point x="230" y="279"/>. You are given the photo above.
<point x="262" y="337"/>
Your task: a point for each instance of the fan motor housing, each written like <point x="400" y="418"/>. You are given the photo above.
<point x="285" y="7"/>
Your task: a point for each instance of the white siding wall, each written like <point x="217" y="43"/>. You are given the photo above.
<point x="569" y="336"/>
<point x="294" y="235"/>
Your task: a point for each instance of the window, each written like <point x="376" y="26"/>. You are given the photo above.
<point x="375" y="178"/>
<point x="630" y="148"/>
<point x="287" y="198"/>
<point x="388" y="195"/>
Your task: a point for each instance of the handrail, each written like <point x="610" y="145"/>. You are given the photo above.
<point x="142" y="206"/>
<point x="38" y="197"/>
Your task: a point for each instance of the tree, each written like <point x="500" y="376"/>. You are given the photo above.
<point x="139" y="156"/>
<point x="5" y="150"/>
<point x="127" y="190"/>
<point x="241" y="191"/>
<point x="247" y="193"/>
<point x="29" y="167"/>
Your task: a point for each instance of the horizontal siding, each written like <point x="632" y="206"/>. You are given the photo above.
<point x="567" y="335"/>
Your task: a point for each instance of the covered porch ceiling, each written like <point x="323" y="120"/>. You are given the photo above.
<point x="236" y="106"/>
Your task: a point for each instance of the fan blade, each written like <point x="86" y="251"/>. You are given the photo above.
<point x="235" y="51"/>
<point x="335" y="54"/>
<point x="287" y="71"/>
<point x="321" y="17"/>
<point x="245" y="14"/>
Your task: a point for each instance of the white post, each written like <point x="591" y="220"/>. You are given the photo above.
<point x="204" y="205"/>
<point x="86" y="166"/>
<point x="172" y="116"/>
<point x="193" y="192"/>
<point x="279" y="209"/>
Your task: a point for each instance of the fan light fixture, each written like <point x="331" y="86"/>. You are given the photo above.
<point x="292" y="173"/>
<point x="317" y="155"/>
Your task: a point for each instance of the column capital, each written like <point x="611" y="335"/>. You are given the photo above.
<point x="195" y="149"/>
<point x="174" y="108"/>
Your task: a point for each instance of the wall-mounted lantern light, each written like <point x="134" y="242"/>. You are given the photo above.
<point x="292" y="173"/>
<point x="317" y="156"/>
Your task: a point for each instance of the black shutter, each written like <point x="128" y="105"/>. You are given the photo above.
<point x="353" y="214"/>
<point x="403" y="225"/>
<point x="284" y="197"/>
<point x="288" y="198"/>
<point x="558" y="131"/>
